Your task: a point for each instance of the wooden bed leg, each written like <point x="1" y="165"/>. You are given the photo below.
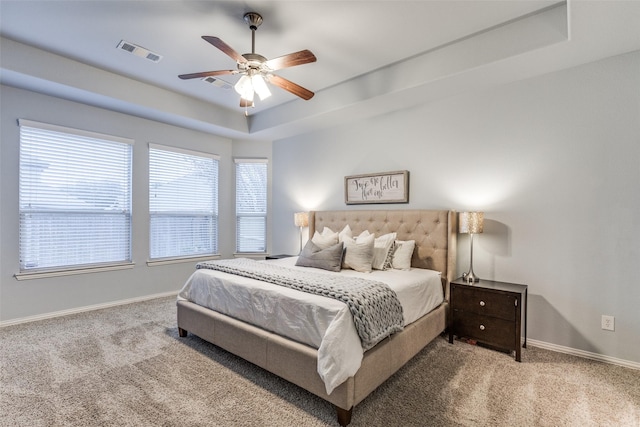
<point x="344" y="416"/>
<point x="182" y="332"/>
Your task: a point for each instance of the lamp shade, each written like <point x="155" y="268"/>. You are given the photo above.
<point x="471" y="222"/>
<point x="301" y="219"/>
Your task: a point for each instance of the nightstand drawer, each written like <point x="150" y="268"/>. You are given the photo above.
<point x="484" y="302"/>
<point x="498" y="332"/>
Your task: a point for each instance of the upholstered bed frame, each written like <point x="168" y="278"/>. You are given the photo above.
<point x="435" y="234"/>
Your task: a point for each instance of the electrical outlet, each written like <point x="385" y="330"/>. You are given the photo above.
<point x="608" y="323"/>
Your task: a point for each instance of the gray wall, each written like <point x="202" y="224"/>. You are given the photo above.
<point x="554" y="161"/>
<point x="29" y="298"/>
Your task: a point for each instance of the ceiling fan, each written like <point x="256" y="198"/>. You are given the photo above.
<point x="255" y="69"/>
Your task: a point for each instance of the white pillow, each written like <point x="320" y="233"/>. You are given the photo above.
<point x="402" y="255"/>
<point x="365" y="237"/>
<point x="327" y="232"/>
<point x="345" y="233"/>
<point x="327" y="239"/>
<point x="381" y="248"/>
<point x="358" y="253"/>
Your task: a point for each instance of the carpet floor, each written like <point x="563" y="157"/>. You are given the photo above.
<point x="126" y="366"/>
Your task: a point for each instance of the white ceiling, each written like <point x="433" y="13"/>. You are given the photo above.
<point x="373" y="56"/>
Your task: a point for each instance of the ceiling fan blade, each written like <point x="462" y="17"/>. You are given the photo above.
<point x="225" y="48"/>
<point x="291" y="60"/>
<point x="206" y="74"/>
<point x="290" y="86"/>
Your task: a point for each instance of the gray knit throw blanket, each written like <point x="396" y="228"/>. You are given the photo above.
<point x="375" y="307"/>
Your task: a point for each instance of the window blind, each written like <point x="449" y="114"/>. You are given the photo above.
<point x="74" y="197"/>
<point x="251" y="205"/>
<point x="183" y="202"/>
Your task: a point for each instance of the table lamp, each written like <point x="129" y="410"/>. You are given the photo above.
<point x="471" y="223"/>
<point x="301" y="219"/>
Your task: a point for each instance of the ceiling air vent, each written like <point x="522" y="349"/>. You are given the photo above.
<point x="218" y="82"/>
<point x="139" y="51"/>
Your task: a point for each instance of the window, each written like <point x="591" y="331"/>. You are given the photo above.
<point x="183" y="202"/>
<point x="74" y="198"/>
<point x="251" y="205"/>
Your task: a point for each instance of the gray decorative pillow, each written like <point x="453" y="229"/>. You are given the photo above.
<point x="327" y="259"/>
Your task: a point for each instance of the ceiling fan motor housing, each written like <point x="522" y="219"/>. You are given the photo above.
<point x="254" y="62"/>
<point x="253" y="19"/>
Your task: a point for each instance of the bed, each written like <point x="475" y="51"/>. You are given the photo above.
<point x="297" y="361"/>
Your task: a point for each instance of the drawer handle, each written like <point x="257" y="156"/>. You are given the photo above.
<point x="482" y="327"/>
<point x="482" y="304"/>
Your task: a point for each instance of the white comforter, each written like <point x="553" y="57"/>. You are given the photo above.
<point x="321" y="322"/>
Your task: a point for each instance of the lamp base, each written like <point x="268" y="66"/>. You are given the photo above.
<point x="470" y="277"/>
<point x="300" y="241"/>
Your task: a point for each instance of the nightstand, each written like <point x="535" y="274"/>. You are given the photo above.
<point x="489" y="312"/>
<point x="280" y="256"/>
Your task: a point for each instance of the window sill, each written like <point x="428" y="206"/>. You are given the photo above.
<point x="166" y="261"/>
<point x="69" y="272"/>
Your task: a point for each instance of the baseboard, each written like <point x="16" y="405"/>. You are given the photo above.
<point x="84" y="309"/>
<point x="585" y="354"/>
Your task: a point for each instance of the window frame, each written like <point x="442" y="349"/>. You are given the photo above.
<point x="249" y="160"/>
<point x="127" y="196"/>
<point x="171" y="259"/>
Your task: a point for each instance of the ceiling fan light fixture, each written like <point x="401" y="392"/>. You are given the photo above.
<point x="260" y="87"/>
<point x="255" y="70"/>
<point x="244" y="87"/>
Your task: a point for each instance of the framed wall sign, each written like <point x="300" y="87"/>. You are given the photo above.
<point x="383" y="187"/>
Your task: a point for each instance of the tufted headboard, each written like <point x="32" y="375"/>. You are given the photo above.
<point x="433" y="230"/>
